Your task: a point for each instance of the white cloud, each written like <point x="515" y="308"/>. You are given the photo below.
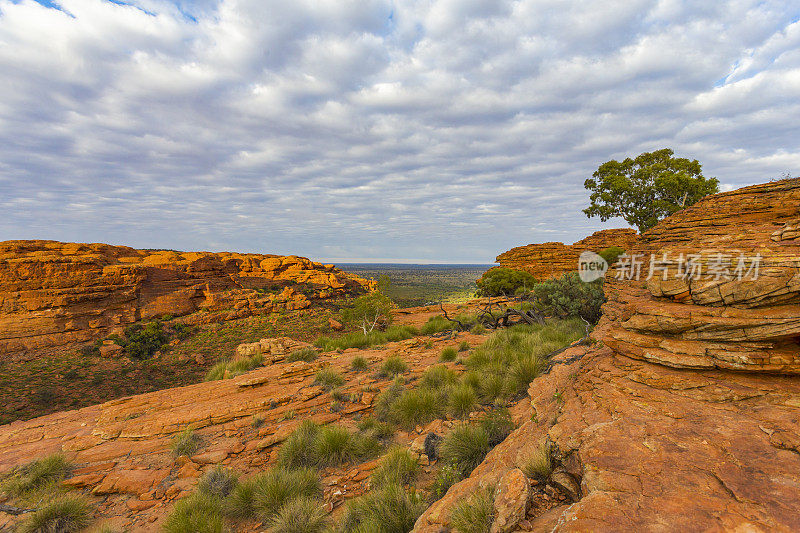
<point x="436" y="129"/>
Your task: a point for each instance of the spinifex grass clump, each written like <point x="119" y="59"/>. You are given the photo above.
<point x="358" y="339"/>
<point x="38" y="475"/>
<point x="67" y="514"/>
<point x="231" y="369"/>
<point x="198" y="513"/>
<point x="218" y="483"/>
<point x="313" y="445"/>
<point x="464" y="448"/>
<point x="439" y="323"/>
<point x="388" y="509"/>
<point x="329" y="379"/>
<point x="475" y="514"/>
<point x="306" y="354"/>
<point x="359" y="364"/>
<point x="392" y="367"/>
<point x="300" y="515"/>
<point x="538" y="464"/>
<point x="278" y="486"/>
<point x="186" y="442"/>
<point x="449" y="354"/>
<point x="400" y="466"/>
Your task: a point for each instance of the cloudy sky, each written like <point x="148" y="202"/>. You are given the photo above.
<point x="422" y="130"/>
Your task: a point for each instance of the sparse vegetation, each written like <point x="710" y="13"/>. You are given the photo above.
<point x="300" y="515"/>
<point x="446" y="476"/>
<point x="475" y="514"/>
<point x="66" y="514"/>
<point x="465" y="447"/>
<point x="389" y="509"/>
<point x="359" y="364"/>
<point x="438" y="376"/>
<point x="461" y="400"/>
<point x="237" y="367"/>
<point x="186" y="442"/>
<point x="398" y="466"/>
<point x="306" y="354"/>
<point x="328" y="378"/>
<point x="278" y="486"/>
<point x="463" y="346"/>
<point x="449" y="354"/>
<point x="358" y="339"/>
<point x="538" y="464"/>
<point x="218" y="482"/>
<point x="497" y="425"/>
<point x="36" y="476"/>
<point x="393" y="366"/>
<point x="197" y="513"/>
<point x="312" y="445"/>
<point x="478" y="329"/>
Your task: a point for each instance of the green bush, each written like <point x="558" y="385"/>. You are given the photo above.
<point x="218" y="482"/>
<point x="475" y="514"/>
<point x="389" y="509"/>
<point x="328" y="379"/>
<point x="186" y="442"/>
<point x="392" y="367"/>
<point x="276" y="487"/>
<point x="198" y="513"/>
<point x="611" y="254"/>
<point x="438" y="376"/>
<point x="369" y="312"/>
<point x="306" y="354"/>
<point x="568" y="296"/>
<point x="461" y="400"/>
<point x="464" y="448"/>
<point x="446" y="476"/>
<point x="142" y="341"/>
<point x="37" y="475"/>
<point x="312" y="445"/>
<point x="449" y="354"/>
<point x="300" y="515"/>
<point x="398" y="466"/>
<point x="500" y="281"/>
<point x="359" y="364"/>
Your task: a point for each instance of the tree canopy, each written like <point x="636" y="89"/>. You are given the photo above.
<point x="647" y="189"/>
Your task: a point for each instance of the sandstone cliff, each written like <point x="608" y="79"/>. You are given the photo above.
<point x="54" y="293"/>
<point x="552" y="259"/>
<point x="678" y="423"/>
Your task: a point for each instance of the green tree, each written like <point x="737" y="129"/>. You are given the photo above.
<point x="568" y="296"/>
<point x="372" y="310"/>
<point x="647" y="189"/>
<point x="500" y="281"/>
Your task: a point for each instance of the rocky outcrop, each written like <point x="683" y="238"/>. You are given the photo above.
<point x="723" y="288"/>
<point x="54" y="293"/>
<point x="552" y="259"/>
<point x="677" y="417"/>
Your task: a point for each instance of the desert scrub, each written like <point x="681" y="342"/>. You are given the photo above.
<point x="218" y="483"/>
<point x="186" y="442"/>
<point x="438" y="376"/>
<point x="40" y="474"/>
<point x="231" y="369"/>
<point x="328" y="379"/>
<point x="143" y="340"/>
<point x="358" y="339"/>
<point x="418" y="406"/>
<point x="464" y="448"/>
<point x="306" y="354"/>
<point x="277" y="486"/>
<point x="449" y="354"/>
<point x="538" y="464"/>
<point x="446" y="476"/>
<point x="359" y="364"/>
<point x="392" y="367"/>
<point x="312" y="445"/>
<point x="300" y="515"/>
<point x="389" y="509"/>
<point x="399" y="466"/>
<point x="197" y="513"/>
<point x="475" y="514"/>
<point x="67" y="514"/>
<point x="461" y="400"/>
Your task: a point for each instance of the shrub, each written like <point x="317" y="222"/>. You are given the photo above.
<point x="568" y="296"/>
<point x="186" y="442"/>
<point x="460" y="401"/>
<point x="393" y="366"/>
<point x="475" y="514"/>
<point x="497" y="425"/>
<point x="142" y="341"/>
<point x="359" y="364"/>
<point x="64" y="515"/>
<point x="328" y="379"/>
<point x="478" y="329"/>
<point x="36" y="475"/>
<point x="446" y="476"/>
<point x="218" y="482"/>
<point x="300" y="515"/>
<point x="449" y="354"/>
<point x="312" y="445"/>
<point x="390" y="509"/>
<point x="438" y="376"/>
<point x="464" y="448"/>
<point x="369" y="312"/>
<point x="276" y="487"/>
<point x="537" y="464"/>
<point x="500" y="281"/>
<point x="306" y="354"/>
<point x="611" y="254"/>
<point x="398" y="466"/>
<point x="417" y="406"/>
<point x="198" y="513"/>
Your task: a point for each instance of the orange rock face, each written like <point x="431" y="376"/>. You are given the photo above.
<point x="552" y="259"/>
<point x="54" y="293"/>
<point x="718" y="317"/>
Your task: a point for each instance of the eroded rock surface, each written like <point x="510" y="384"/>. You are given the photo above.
<point x="552" y="259"/>
<point x="54" y="293"/>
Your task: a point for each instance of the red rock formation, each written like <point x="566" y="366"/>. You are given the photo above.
<point x="54" y="293"/>
<point x="552" y="259"/>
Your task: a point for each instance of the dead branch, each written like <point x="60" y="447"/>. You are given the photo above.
<point x="10" y="509"/>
